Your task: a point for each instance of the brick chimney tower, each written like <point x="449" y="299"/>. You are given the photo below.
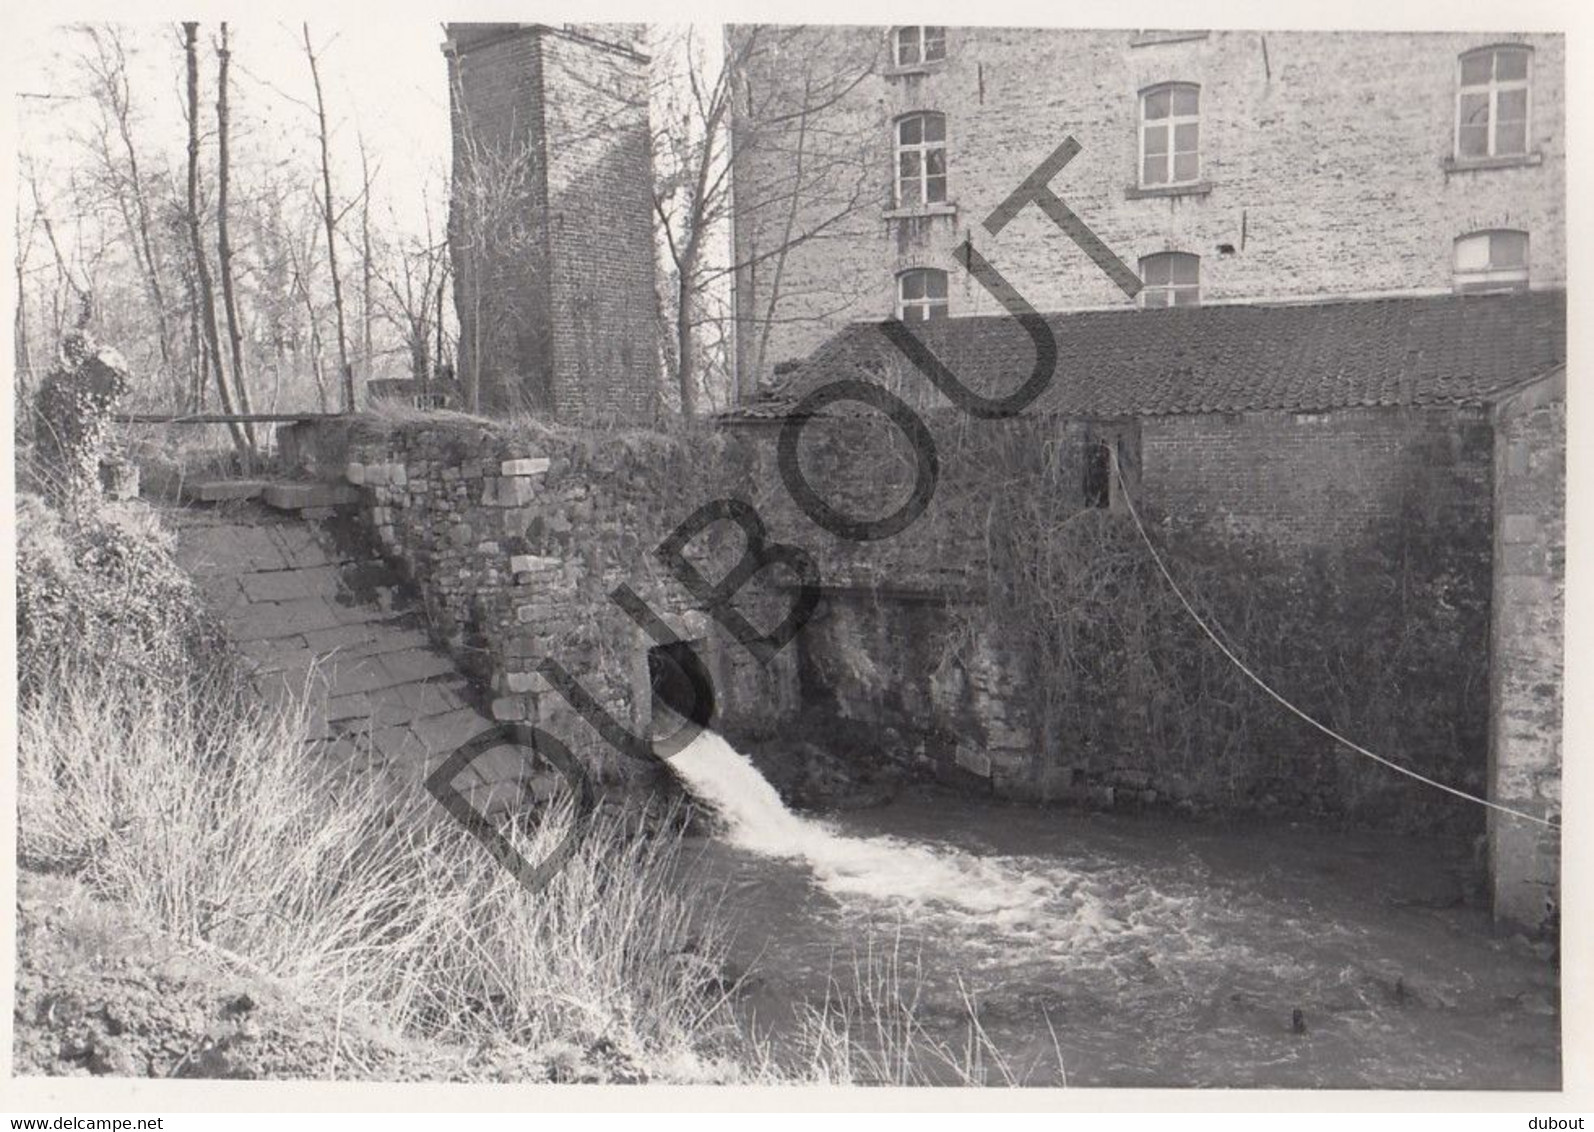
<point x="551" y="220"/>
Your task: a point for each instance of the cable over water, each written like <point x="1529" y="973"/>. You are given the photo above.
<point x="1266" y="687"/>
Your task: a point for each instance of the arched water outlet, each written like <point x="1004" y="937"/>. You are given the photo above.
<point x="682" y="692"/>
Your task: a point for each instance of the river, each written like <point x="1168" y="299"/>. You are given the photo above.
<point x="1108" y="950"/>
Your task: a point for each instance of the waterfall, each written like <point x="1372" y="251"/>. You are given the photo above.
<point x="882" y="867"/>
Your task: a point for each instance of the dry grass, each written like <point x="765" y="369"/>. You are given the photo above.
<point x="205" y="816"/>
<point x="872" y="1028"/>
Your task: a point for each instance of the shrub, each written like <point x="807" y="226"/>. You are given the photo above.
<point x="99" y="588"/>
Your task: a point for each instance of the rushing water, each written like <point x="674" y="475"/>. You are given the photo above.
<point x="1135" y="952"/>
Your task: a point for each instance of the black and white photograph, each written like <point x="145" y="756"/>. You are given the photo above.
<point x="1022" y="555"/>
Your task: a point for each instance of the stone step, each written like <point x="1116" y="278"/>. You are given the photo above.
<point x="309" y="496"/>
<point x="222" y="491"/>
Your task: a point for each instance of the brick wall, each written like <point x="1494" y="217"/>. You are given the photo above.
<point x="1316" y="479"/>
<point x="499" y="255"/>
<point x="1325" y="154"/>
<point x="555" y="288"/>
<point x="1527" y="643"/>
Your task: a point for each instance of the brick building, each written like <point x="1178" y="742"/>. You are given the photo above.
<point x="551" y="219"/>
<point x="1364" y="236"/>
<point x="1222" y="166"/>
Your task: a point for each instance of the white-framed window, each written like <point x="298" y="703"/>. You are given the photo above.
<point x="1492" y="91"/>
<point x="921" y="294"/>
<point x="1170" y="135"/>
<point x="1170" y="279"/>
<point x="1496" y="260"/>
<point x="912" y="46"/>
<point x="921" y="159"/>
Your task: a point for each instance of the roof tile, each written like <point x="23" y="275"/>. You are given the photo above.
<point x="1412" y="350"/>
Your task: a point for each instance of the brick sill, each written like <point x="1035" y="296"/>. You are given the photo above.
<point x="1151" y="40"/>
<point x="917" y="211"/>
<point x="907" y="69"/>
<point x="1475" y="164"/>
<point x="1195" y="189"/>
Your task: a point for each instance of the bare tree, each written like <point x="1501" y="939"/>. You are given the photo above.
<point x="489" y="224"/>
<point x="367" y="263"/>
<point x="240" y="375"/>
<point x="691" y="194"/>
<point x="702" y="104"/>
<point x="107" y="68"/>
<point x="415" y="279"/>
<point x="329" y="217"/>
<point x="24" y="359"/>
<point x="205" y="286"/>
<point x="806" y="158"/>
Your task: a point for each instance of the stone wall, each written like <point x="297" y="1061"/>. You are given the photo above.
<point x="1358" y="527"/>
<point x="516" y="537"/>
<point x="1326" y="163"/>
<point x="1527" y="647"/>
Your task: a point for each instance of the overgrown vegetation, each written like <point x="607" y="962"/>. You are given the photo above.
<point x="199" y="807"/>
<point x="1383" y="641"/>
<point x="152" y="775"/>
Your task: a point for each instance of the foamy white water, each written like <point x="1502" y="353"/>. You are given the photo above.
<point x="881" y="867"/>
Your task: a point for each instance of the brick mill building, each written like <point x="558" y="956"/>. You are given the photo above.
<point x="1365" y="232"/>
<point x="1223" y="166"/>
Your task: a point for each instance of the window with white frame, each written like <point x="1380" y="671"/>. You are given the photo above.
<point x="1170" y="279"/>
<point x="916" y="45"/>
<point x="921" y="295"/>
<point x="1170" y="135"/>
<point x="921" y="159"/>
<point x="1492" y="103"/>
<point x="1492" y="261"/>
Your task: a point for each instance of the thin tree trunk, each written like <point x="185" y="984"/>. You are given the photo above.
<point x="685" y="346"/>
<point x="198" y="371"/>
<point x="145" y="246"/>
<point x="365" y="267"/>
<point x="240" y="375"/>
<point x="785" y="237"/>
<point x="207" y="292"/>
<point x="331" y="225"/>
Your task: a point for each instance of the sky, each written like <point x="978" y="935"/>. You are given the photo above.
<point x="386" y="82"/>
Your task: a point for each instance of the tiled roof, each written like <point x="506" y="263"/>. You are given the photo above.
<point x="1418" y="350"/>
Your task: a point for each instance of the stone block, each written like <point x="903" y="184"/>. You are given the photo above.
<point x="416" y="664"/>
<point x="295" y="496"/>
<point x="450" y="730"/>
<point x="222" y="491"/>
<point x="1520" y="528"/>
<point x="525" y="682"/>
<point x="974" y="760"/>
<point x="1524" y="559"/>
<point x="354" y="473"/>
<point x="531" y="563"/>
<point x="526" y="466"/>
<point x="514" y="491"/>
<point x="509" y="708"/>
